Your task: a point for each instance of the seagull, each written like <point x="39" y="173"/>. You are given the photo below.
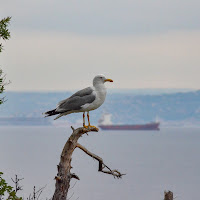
<point x="84" y="100"/>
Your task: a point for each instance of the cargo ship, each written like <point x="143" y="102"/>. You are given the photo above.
<point x="105" y="123"/>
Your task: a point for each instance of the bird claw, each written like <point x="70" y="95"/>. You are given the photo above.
<point x="92" y="127"/>
<point x="89" y="126"/>
<point x="85" y="126"/>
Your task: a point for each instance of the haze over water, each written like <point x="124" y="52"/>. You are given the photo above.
<point x="153" y="161"/>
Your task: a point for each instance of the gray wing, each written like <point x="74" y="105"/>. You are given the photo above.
<point x="77" y="100"/>
<point x="83" y="92"/>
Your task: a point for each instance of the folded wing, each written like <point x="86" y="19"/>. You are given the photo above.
<point x="76" y="101"/>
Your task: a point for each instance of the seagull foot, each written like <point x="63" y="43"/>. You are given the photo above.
<point x="89" y="126"/>
<point x="92" y="127"/>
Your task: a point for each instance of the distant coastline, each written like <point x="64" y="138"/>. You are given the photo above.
<point x="40" y="121"/>
<point x="181" y="109"/>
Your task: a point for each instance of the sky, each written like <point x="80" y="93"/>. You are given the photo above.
<point x="61" y="45"/>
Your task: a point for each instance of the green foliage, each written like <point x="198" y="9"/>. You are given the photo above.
<point x="7" y="191"/>
<point x="1" y="85"/>
<point x="5" y="35"/>
<point x="4" y="32"/>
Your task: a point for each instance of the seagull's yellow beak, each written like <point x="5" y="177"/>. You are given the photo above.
<point x="109" y="80"/>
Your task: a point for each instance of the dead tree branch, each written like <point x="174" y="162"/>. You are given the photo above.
<point x="64" y="175"/>
<point x="16" y="182"/>
<point x="102" y="166"/>
<point x="36" y="194"/>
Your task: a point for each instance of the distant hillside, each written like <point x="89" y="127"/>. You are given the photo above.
<point x="125" y="107"/>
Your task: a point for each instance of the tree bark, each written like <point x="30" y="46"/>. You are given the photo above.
<point x="64" y="175"/>
<point x="168" y="195"/>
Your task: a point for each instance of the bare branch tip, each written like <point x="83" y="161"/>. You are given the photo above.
<point x="75" y="176"/>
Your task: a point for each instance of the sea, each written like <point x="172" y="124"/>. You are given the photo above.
<point x="153" y="161"/>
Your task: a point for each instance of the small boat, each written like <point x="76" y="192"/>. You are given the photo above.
<point x="105" y="123"/>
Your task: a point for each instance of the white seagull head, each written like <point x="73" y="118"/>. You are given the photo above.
<point x="100" y="79"/>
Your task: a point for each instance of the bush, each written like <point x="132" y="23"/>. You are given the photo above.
<point x="6" y="191"/>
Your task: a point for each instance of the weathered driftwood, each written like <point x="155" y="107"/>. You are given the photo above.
<point x="64" y="175"/>
<point x="168" y="195"/>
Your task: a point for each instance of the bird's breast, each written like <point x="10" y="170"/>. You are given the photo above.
<point x="99" y="100"/>
<point x="100" y="97"/>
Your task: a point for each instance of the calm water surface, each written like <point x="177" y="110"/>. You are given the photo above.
<point x="154" y="161"/>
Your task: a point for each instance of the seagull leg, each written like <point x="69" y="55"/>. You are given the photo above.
<point x="89" y="121"/>
<point x="84" y="120"/>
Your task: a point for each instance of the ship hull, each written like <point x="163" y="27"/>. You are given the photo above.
<point x="150" y="126"/>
